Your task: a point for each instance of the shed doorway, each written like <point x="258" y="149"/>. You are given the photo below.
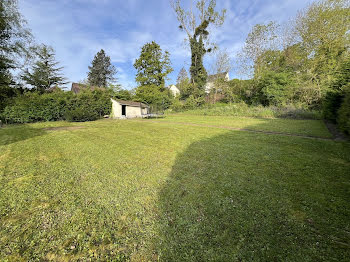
<point x="123" y="110"/>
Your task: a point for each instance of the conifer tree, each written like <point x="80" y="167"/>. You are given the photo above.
<point x="44" y="73"/>
<point x="102" y="71"/>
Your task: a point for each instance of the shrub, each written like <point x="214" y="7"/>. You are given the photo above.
<point x="275" y="88"/>
<point x="176" y="106"/>
<point x="81" y="115"/>
<point x="34" y="107"/>
<point x="331" y="104"/>
<point x="344" y="112"/>
<point x="244" y="110"/>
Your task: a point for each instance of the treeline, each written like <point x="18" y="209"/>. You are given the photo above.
<point x="37" y="68"/>
<point x="304" y="64"/>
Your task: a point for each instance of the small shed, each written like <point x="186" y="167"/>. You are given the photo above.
<point x="128" y="109"/>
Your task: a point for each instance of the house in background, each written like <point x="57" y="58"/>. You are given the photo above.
<point x="128" y="109"/>
<point x="212" y="78"/>
<point x="77" y="88"/>
<point x="174" y="90"/>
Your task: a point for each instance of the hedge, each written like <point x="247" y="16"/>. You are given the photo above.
<point x="34" y="107"/>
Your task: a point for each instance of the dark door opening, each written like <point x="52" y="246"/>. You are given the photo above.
<point x="123" y="110"/>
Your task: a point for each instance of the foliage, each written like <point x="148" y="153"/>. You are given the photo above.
<point x="79" y="195"/>
<point x="176" y="105"/>
<point x="119" y="93"/>
<point x="197" y="34"/>
<point x="15" y="39"/>
<point x="34" y="107"/>
<point x="101" y="72"/>
<point x="344" y="111"/>
<point x="336" y="93"/>
<point x="331" y="104"/>
<point x="276" y="88"/>
<point x="186" y="88"/>
<point x="241" y="109"/>
<point x="182" y="76"/>
<point x="158" y="97"/>
<point x="6" y="94"/>
<point x="303" y="62"/>
<point x="261" y="39"/>
<point x="152" y="66"/>
<point x="44" y="73"/>
<point x="235" y="90"/>
<point x="222" y="62"/>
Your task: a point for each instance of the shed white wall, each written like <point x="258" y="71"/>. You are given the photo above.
<point x="131" y="111"/>
<point x="116" y="109"/>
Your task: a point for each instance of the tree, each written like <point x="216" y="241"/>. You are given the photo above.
<point x="260" y="39"/>
<point x="102" y="71"/>
<point x="44" y="73"/>
<point x="159" y="98"/>
<point x="323" y="29"/>
<point x="14" y="40"/>
<point x="152" y="66"/>
<point x="182" y="76"/>
<point x="198" y="34"/>
<point x="222" y="62"/>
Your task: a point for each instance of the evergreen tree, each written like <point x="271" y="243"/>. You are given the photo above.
<point x="44" y="73"/>
<point x="102" y="71"/>
<point x="152" y="66"/>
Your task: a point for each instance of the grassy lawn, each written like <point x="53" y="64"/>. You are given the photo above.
<point x="148" y="191"/>
<point x="299" y="127"/>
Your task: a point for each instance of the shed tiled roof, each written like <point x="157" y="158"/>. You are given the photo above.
<point x="132" y="103"/>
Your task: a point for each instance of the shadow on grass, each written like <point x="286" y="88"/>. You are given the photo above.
<point x="248" y="197"/>
<point x="15" y="133"/>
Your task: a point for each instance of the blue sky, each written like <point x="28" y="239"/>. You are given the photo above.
<point x="78" y="29"/>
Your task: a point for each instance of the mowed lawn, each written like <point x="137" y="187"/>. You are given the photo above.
<point x="159" y="190"/>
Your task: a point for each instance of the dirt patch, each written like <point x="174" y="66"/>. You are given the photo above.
<point x="62" y="128"/>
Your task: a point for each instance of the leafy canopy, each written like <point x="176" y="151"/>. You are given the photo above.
<point x="153" y="65"/>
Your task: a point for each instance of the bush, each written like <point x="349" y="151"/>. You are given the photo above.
<point x="176" y="106"/>
<point x="244" y="110"/>
<point x="34" y="107"/>
<point x="81" y="115"/>
<point x="275" y="88"/>
<point x="344" y="112"/>
<point x="331" y="104"/>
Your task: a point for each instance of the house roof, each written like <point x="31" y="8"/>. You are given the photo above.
<point x="131" y="103"/>
<point x="76" y="87"/>
<point x="212" y="78"/>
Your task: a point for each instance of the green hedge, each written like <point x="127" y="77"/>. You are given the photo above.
<point x="344" y="112"/>
<point x="34" y="107"/>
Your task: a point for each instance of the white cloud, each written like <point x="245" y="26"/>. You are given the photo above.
<point x="79" y="29"/>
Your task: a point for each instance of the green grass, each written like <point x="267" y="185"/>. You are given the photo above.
<point x="148" y="191"/>
<point x="298" y="127"/>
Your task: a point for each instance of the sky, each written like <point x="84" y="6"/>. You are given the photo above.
<point x="78" y="29"/>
